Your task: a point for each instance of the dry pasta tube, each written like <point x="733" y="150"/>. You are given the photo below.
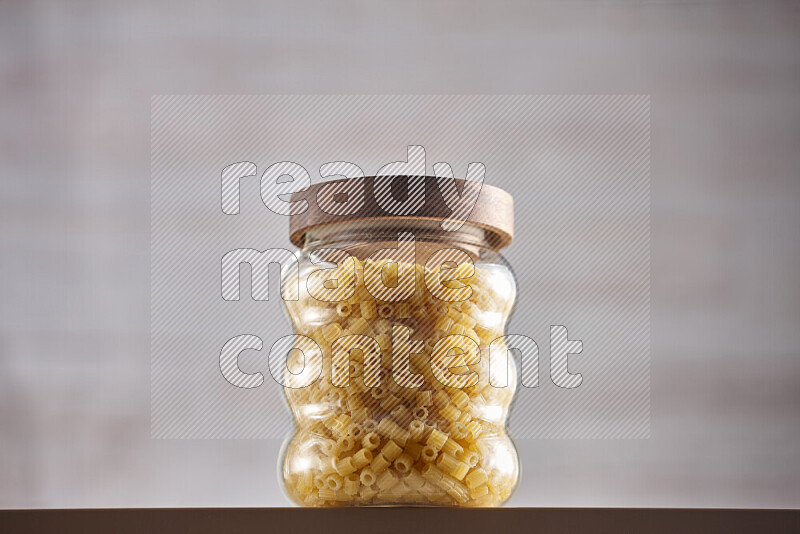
<point x="391" y="450"/>
<point x="367" y="476"/>
<point x="345" y="466"/>
<point x="380" y="463"/>
<point x="362" y="458"/>
<point x="428" y="454"/>
<point x="371" y="441"/>
<point x="437" y="439"/>
<point x="352" y="482"/>
<point x="403" y="463"/>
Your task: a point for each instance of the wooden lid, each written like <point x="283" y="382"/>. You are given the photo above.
<point x="493" y="210"/>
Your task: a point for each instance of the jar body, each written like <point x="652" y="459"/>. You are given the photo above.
<point x="405" y="409"/>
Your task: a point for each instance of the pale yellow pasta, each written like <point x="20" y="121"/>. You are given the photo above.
<point x="369" y="425"/>
<point x="458" y="430"/>
<point x="432" y="473"/>
<point x="428" y="454"/>
<point x="421" y="413"/>
<point x="458" y="329"/>
<point x="328" y="466"/>
<point x="379" y="463"/>
<point x="345" y="444"/>
<point x="414" y="480"/>
<point x="354" y="402"/>
<point x="362" y="458"/>
<point x="413" y="449"/>
<point x="441" y="399"/>
<point x="452" y="447"/>
<point x="416" y="428"/>
<point x="477" y="477"/>
<point x="391" y="450"/>
<point x="340" y="423"/>
<point x="367" y="492"/>
<point x="360" y="416"/>
<point x="331" y="331"/>
<point x="471" y="458"/>
<point x="424" y="398"/>
<point x="376" y="441"/>
<point x="474" y="429"/>
<point x="355" y="430"/>
<point x="336" y="396"/>
<point x="393" y="431"/>
<point x="460" y="399"/>
<point x="386" y="480"/>
<point x="444" y="324"/>
<point x="327" y="494"/>
<point x="367" y="477"/>
<point x="459" y="493"/>
<point x="306" y="482"/>
<point x="485" y="500"/>
<point x="478" y="491"/>
<point x="351" y="484"/>
<point x="328" y="447"/>
<point x="401" y="414"/>
<point x="402" y="310"/>
<point x="368" y="309"/>
<point x="334" y="481"/>
<point x="384" y="341"/>
<point x="419" y="362"/>
<point x="464" y="419"/>
<point x="437" y="439"/>
<point x="403" y="463"/>
<point x="358" y="325"/>
<point x="355" y="369"/>
<point x="467" y="321"/>
<point x="371" y="441"/>
<point x="452" y="466"/>
<point x="485" y="334"/>
<point x="345" y="466"/>
<point x="450" y="412"/>
<point x="389" y="402"/>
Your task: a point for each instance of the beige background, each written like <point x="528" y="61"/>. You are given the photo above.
<point x="75" y="86"/>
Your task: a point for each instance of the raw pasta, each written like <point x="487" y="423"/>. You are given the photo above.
<point x="439" y="443"/>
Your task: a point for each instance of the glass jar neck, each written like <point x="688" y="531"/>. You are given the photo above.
<point x="368" y="231"/>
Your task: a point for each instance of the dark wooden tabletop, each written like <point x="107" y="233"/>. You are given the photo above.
<point x="400" y="520"/>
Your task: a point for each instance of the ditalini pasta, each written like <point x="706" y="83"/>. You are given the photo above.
<point x="390" y="444"/>
<point x="402" y="411"/>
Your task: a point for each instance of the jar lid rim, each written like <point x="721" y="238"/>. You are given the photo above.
<point x="493" y="210"/>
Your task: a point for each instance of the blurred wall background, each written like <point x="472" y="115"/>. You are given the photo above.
<point x="75" y="85"/>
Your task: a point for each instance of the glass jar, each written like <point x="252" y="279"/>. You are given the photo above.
<point x="396" y="317"/>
